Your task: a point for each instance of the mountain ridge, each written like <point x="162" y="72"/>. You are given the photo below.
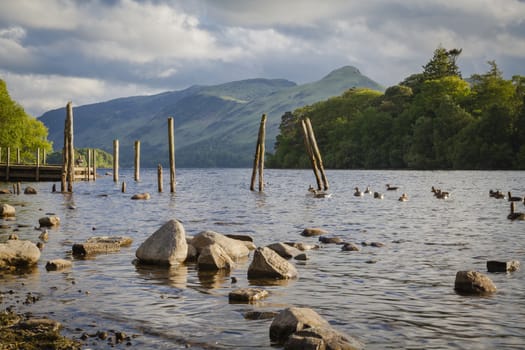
<point x="215" y="125"/>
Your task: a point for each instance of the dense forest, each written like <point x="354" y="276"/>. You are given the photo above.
<point x="18" y="130"/>
<point x="432" y="120"/>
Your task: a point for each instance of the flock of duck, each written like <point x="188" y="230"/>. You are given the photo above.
<point x="513" y="215"/>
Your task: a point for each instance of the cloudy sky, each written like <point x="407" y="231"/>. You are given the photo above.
<point x="54" y="51"/>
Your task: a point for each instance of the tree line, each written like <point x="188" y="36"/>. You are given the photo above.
<point x="431" y="120"/>
<point x="19" y="130"/>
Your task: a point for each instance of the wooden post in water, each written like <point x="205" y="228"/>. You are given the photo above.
<point x="0" y="155"/>
<point x="88" y="172"/>
<point x="159" y="177"/>
<point x="18" y="187"/>
<point x="123" y="187"/>
<point x="316" y="153"/>
<point x="94" y="162"/>
<point x="70" y="149"/>
<point x="258" y="159"/>
<point x="137" y="160"/>
<point x="38" y="164"/>
<point x="171" y="137"/>
<point x="115" y="160"/>
<point x="7" y="159"/>
<point x="311" y="156"/>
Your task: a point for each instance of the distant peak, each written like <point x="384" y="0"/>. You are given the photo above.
<point x="346" y="70"/>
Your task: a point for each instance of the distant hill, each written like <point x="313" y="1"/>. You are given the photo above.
<point x="215" y="126"/>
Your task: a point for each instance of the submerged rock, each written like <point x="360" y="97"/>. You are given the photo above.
<point x="321" y="338"/>
<point x="473" y="282"/>
<point x="58" y="264"/>
<point x="313" y="231"/>
<point x="503" y="266"/>
<point x="166" y="246"/>
<point x="16" y="253"/>
<point x="30" y="190"/>
<point x="49" y="221"/>
<point x="7" y="210"/>
<point x="141" y="196"/>
<point x="247" y="294"/>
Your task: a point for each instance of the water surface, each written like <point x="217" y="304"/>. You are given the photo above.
<point x="397" y="296"/>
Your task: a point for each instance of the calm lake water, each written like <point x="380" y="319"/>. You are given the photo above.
<point x="397" y="296"/>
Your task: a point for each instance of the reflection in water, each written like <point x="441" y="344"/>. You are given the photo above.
<point x="173" y="276"/>
<point x="213" y="279"/>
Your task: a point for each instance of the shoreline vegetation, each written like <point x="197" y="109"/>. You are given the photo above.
<point x="434" y="120"/>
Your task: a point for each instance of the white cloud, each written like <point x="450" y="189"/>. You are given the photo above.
<point x="49" y="14"/>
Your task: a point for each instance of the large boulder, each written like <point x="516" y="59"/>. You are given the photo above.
<point x="267" y="263"/>
<point x="234" y="248"/>
<point x="16" y="253"/>
<point x="7" y="210"/>
<point x="213" y="257"/>
<point x="292" y="320"/>
<point x="473" y="282"/>
<point x="166" y="246"/>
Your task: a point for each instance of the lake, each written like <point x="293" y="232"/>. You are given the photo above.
<point x="400" y="295"/>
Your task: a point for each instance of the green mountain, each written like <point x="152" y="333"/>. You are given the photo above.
<point x="215" y="126"/>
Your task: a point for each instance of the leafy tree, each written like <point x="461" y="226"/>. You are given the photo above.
<point x="18" y="130"/>
<point x="443" y="64"/>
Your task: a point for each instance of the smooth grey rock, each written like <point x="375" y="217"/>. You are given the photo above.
<point x="234" y="248"/>
<point x="473" y="282"/>
<point x="267" y="263"/>
<point x="321" y="338"/>
<point x="166" y="246"/>
<point x="16" y="253"/>
<point x="213" y="257"/>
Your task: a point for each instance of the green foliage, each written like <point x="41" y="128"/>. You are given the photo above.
<point x="18" y="130"/>
<point x="103" y="158"/>
<point x="432" y="120"/>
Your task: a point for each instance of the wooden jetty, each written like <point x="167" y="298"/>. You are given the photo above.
<point x="33" y="172"/>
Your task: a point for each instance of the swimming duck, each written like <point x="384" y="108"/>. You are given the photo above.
<point x="513" y="199"/>
<point x="391" y="188"/>
<point x="496" y="194"/>
<point x="368" y="190"/>
<point x="403" y="198"/>
<point x="358" y="193"/>
<point x="321" y="194"/>
<point x="513" y="215"/>
<point x="378" y="195"/>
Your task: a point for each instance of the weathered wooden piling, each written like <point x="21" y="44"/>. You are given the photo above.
<point x="137" y="160"/>
<point x="18" y="156"/>
<point x="7" y="159"/>
<point x="311" y="156"/>
<point x="37" y="176"/>
<point x="316" y="153"/>
<point x="94" y="163"/>
<point x="123" y="187"/>
<point x="258" y="159"/>
<point x="171" y="137"/>
<point x="88" y="170"/>
<point x="70" y="149"/>
<point x="115" y="160"/>
<point x="159" y="177"/>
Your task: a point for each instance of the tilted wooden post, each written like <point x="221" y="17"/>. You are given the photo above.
<point x="311" y="156"/>
<point x="70" y="149"/>
<point x="137" y="160"/>
<point x="171" y="137"/>
<point x="316" y="152"/>
<point x="159" y="177"/>
<point x="258" y="161"/>
<point x="115" y="160"/>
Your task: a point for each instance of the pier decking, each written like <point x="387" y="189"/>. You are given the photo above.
<point x="29" y="173"/>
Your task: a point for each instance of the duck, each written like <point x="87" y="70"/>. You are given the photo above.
<point x="321" y="194"/>
<point x="378" y="195"/>
<point x="403" y="198"/>
<point x="441" y="194"/>
<point x="358" y="193"/>
<point x="311" y="189"/>
<point x="496" y="194"/>
<point x="514" y="215"/>
<point x="513" y="199"/>
<point x="368" y="190"/>
<point x="391" y="188"/>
